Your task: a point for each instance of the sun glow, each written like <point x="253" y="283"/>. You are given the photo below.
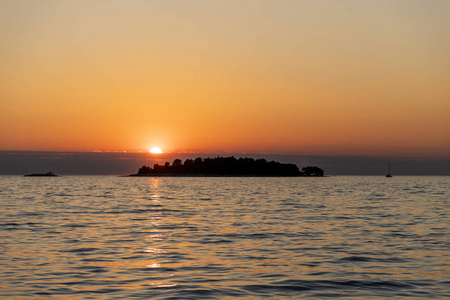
<point x="155" y="150"/>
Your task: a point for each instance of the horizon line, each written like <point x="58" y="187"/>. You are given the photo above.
<point x="397" y="156"/>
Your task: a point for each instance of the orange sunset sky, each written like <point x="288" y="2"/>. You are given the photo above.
<point x="298" y="77"/>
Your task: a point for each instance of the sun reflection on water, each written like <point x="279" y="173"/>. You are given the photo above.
<point x="154" y="265"/>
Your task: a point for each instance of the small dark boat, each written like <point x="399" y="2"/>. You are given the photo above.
<point x="389" y="171"/>
<point x="49" y="174"/>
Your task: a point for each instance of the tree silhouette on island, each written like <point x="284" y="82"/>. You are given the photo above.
<point x="228" y="166"/>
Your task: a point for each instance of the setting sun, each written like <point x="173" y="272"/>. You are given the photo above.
<point x="155" y="150"/>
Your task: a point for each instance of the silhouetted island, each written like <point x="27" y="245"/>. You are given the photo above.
<point x="48" y="174"/>
<point x="228" y="166"/>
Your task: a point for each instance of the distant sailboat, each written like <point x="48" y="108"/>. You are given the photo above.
<point x="389" y="171"/>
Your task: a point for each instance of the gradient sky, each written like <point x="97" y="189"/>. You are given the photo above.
<point x="301" y="77"/>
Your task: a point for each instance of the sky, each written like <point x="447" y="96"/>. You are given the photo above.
<point x="283" y="77"/>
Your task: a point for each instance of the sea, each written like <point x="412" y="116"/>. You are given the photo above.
<point x="110" y="237"/>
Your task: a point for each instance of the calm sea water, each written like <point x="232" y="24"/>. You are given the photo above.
<point x="105" y="237"/>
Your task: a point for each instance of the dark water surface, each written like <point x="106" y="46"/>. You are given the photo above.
<point x="105" y="237"/>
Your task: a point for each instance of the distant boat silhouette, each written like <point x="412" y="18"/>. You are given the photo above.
<point x="49" y="174"/>
<point x="389" y="171"/>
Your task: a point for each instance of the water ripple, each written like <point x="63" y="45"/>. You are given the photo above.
<point x="104" y="237"/>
